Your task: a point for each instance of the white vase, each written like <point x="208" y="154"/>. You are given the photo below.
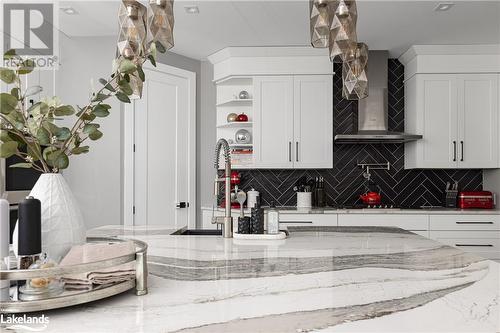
<point x="62" y="220"/>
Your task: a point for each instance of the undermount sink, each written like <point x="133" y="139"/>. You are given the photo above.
<point x="198" y="232"/>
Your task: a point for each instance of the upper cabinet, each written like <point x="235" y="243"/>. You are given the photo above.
<point x="289" y="106"/>
<point x="455" y="108"/>
<point x="293" y="122"/>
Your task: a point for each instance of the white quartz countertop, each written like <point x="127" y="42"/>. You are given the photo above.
<point x="423" y="211"/>
<point x="325" y="279"/>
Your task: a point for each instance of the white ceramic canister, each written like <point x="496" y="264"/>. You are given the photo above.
<point x="304" y="199"/>
<point x="252" y="198"/>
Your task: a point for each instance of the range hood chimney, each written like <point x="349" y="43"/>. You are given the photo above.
<point x="373" y="115"/>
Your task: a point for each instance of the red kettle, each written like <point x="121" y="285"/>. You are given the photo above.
<point x="371" y="198"/>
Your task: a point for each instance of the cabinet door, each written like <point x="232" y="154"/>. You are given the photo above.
<point x="273" y="122"/>
<point x="313" y="121"/>
<point x="440" y="120"/>
<point x="478" y="121"/>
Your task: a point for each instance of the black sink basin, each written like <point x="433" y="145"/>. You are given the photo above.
<point x="198" y="232"/>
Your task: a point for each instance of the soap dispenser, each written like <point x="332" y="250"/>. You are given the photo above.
<point x="273" y="220"/>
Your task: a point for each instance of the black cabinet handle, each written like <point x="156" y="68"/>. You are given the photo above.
<point x="462" y="148"/>
<point x="297" y="151"/>
<point x="479" y="222"/>
<point x="290" y="151"/>
<point x="454" y="151"/>
<point x="474" y="245"/>
<point x="298" y="222"/>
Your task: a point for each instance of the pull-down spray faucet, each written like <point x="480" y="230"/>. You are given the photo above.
<point x="226" y="221"/>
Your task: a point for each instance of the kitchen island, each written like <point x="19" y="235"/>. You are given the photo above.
<point x="328" y="279"/>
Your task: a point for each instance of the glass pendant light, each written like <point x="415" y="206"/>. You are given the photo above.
<point x="320" y="22"/>
<point x="132" y="29"/>
<point x="354" y="73"/>
<point x="343" y="37"/>
<point x="161" y="22"/>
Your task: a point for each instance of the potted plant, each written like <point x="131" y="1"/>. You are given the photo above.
<point x="34" y="134"/>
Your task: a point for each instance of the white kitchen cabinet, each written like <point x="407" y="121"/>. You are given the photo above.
<point x="317" y="220"/>
<point x="313" y="121"/>
<point x="457" y="114"/>
<point x="293" y="121"/>
<point x="403" y="221"/>
<point x="485" y="244"/>
<point x="273" y="121"/>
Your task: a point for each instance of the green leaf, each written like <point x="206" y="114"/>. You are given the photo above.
<point x="39" y="108"/>
<point x="16" y="119"/>
<point x="58" y="159"/>
<point x="88" y="116"/>
<point x="8" y="103"/>
<point x="63" y="134"/>
<point x="141" y="74"/>
<point x="64" y="110"/>
<point x="100" y="97"/>
<point x="152" y="59"/>
<point x="126" y="66"/>
<point x="90" y="128"/>
<point x="47" y="151"/>
<point x="122" y="97"/>
<point x="51" y="127"/>
<point x="7" y="149"/>
<point x="7" y="75"/>
<point x="5" y="136"/>
<point x="80" y="150"/>
<point x="15" y="92"/>
<point x="160" y="47"/>
<point x="100" y="111"/>
<point x="26" y="67"/>
<point x="22" y="165"/>
<point x="9" y="54"/>
<point x="96" y="135"/>
<point x="107" y="85"/>
<point x="125" y="87"/>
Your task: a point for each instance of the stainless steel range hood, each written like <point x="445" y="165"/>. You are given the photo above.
<point x="373" y="110"/>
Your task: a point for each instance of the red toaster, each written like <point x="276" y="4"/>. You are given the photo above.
<point x="476" y="199"/>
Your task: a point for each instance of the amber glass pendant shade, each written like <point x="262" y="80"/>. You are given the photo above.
<point x="161" y="22"/>
<point x="354" y="73"/>
<point x="343" y="37"/>
<point x="132" y="18"/>
<point x="320" y="22"/>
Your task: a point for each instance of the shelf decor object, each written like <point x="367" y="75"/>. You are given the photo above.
<point x="319" y="23"/>
<point x="30" y="132"/>
<point x="70" y="298"/>
<point x="354" y="74"/>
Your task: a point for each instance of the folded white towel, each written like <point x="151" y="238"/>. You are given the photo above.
<point x="93" y="252"/>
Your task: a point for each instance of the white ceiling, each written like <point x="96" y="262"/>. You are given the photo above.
<point x="383" y="25"/>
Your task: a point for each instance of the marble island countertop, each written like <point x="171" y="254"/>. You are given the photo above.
<point x="326" y="279"/>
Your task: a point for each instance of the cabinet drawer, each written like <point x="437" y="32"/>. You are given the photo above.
<point x="465" y="222"/>
<point x="322" y="220"/>
<point x="482" y="243"/>
<point x="403" y="221"/>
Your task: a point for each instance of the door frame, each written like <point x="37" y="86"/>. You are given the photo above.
<point x="129" y="142"/>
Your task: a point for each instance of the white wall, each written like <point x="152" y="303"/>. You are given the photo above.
<point x="206" y="139"/>
<point x="491" y="182"/>
<point x="95" y="178"/>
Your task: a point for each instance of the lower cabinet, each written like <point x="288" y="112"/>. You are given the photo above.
<point x="477" y="234"/>
<point x="415" y="223"/>
<point x="317" y="220"/>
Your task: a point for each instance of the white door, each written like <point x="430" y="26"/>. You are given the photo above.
<point x="313" y="121"/>
<point x="273" y="122"/>
<point x="478" y="121"/>
<point x="165" y="149"/>
<point x="440" y="144"/>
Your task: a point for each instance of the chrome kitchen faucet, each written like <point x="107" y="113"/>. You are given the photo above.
<point x="226" y="221"/>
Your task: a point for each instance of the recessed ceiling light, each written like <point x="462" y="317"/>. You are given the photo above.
<point x="69" y="10"/>
<point x="192" y="9"/>
<point x="444" y="6"/>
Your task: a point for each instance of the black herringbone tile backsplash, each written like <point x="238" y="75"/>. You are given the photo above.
<point x="344" y="183"/>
